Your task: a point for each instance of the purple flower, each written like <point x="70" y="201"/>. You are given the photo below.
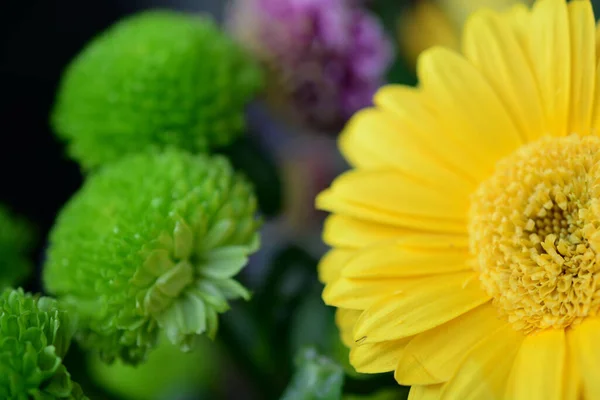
<point x="326" y="57"/>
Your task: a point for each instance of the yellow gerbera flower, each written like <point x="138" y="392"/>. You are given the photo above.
<point x="466" y="241"/>
<point x="439" y="23"/>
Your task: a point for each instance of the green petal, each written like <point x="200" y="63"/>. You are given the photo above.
<point x="224" y="262"/>
<point x="184" y="240"/>
<point x="60" y="385"/>
<point x="187" y="316"/>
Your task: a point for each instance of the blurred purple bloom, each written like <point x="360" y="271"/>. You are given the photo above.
<point x="326" y="57"/>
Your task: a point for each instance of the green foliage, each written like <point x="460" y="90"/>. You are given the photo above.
<point x="34" y="336"/>
<point x="166" y="371"/>
<point x="149" y="244"/>
<point x="313" y="324"/>
<point x="15" y="240"/>
<point x="386" y="394"/>
<point x="316" y="378"/>
<point x="156" y="79"/>
<point x="596" y="7"/>
<point x="246" y="155"/>
<point x="401" y="72"/>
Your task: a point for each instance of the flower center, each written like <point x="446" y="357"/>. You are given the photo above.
<point x="535" y="233"/>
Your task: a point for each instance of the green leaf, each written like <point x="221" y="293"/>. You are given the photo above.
<point x="316" y="378"/>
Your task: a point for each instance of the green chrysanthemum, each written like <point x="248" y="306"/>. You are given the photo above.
<point x="16" y="237"/>
<point x="34" y="336"/>
<point x="158" y="78"/>
<point x="152" y="242"/>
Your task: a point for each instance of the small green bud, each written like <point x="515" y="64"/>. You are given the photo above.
<point x="16" y="237"/>
<point x="316" y="378"/>
<point x="156" y="79"/>
<point x="151" y="243"/>
<point x="34" y="337"/>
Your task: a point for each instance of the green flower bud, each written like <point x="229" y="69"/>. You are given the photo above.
<point x="157" y="79"/>
<point x="34" y="337"/>
<point x="16" y="237"/>
<point x="151" y="243"/>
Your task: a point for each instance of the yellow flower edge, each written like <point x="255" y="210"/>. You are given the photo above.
<point x="466" y="238"/>
<point x="431" y="23"/>
<point x="458" y="11"/>
<point x="422" y="26"/>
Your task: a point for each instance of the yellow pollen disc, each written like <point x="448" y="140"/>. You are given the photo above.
<point x="534" y="231"/>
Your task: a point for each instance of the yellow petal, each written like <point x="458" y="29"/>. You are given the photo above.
<point x="431" y="392"/>
<point x="550" y="55"/>
<point x="538" y="370"/>
<point x="393" y="198"/>
<point x="349" y="232"/>
<point x="345" y="321"/>
<point x="428" y="303"/>
<point x="518" y="17"/>
<point x="329" y="201"/>
<point x="413" y="255"/>
<point x="583" y="339"/>
<point x="332" y="263"/>
<point x="373" y="358"/>
<point x="493" y="47"/>
<point x="434" y="356"/>
<point x="598" y="40"/>
<point x="468" y="107"/>
<point x="485" y="369"/>
<point x="414" y="115"/>
<point x="357" y="294"/>
<point x="596" y="115"/>
<point x="397" y="193"/>
<point x="572" y="375"/>
<point x="583" y="65"/>
<point x="374" y="140"/>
